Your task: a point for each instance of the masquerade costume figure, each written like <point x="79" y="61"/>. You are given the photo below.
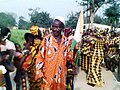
<point x="94" y="77"/>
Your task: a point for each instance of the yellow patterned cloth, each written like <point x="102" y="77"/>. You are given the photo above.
<point x="94" y="73"/>
<point x="34" y="85"/>
<point x="113" y="41"/>
<point x="2" y="81"/>
<point x="34" y="30"/>
<point x="85" y="54"/>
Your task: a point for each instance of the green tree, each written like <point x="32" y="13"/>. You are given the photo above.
<point x="41" y="19"/>
<point x="101" y="20"/>
<point x="23" y="24"/>
<point x="72" y="20"/>
<point x="113" y="14"/>
<point x="92" y="6"/>
<point x="7" y="20"/>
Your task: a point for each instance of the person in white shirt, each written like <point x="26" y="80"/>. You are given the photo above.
<point x="10" y="48"/>
<point x="2" y="67"/>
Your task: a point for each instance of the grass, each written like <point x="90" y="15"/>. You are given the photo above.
<point x="17" y="36"/>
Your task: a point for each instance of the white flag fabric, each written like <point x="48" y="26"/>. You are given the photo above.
<point x="79" y="27"/>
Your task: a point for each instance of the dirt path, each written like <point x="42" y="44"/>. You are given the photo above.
<point x="110" y="82"/>
<point x="80" y="82"/>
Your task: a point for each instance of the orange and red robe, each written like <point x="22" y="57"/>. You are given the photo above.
<point x="51" y="63"/>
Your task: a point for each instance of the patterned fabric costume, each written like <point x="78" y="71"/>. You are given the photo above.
<point x="113" y="42"/>
<point x="85" y="54"/>
<point x="51" y="63"/>
<point x="34" y="85"/>
<point x="94" y="76"/>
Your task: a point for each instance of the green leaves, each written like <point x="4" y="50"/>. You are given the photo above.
<point x="41" y="19"/>
<point x="72" y="20"/>
<point x="113" y="14"/>
<point x="7" y="20"/>
<point x="23" y="24"/>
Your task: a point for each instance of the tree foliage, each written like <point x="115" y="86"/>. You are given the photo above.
<point x="7" y="20"/>
<point x="41" y="19"/>
<point x="93" y="5"/>
<point x="23" y="24"/>
<point x="113" y="14"/>
<point x="100" y="20"/>
<point x="72" y="20"/>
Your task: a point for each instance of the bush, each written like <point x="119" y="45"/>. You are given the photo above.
<point x="17" y="36"/>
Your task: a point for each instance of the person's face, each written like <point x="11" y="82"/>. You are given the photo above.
<point x="57" y="28"/>
<point x="31" y="41"/>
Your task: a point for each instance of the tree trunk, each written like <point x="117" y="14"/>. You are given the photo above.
<point x="92" y="15"/>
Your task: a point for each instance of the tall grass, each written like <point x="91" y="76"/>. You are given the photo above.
<point x="17" y="36"/>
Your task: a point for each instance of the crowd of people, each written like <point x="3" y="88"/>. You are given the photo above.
<point x="47" y="63"/>
<point x="99" y="47"/>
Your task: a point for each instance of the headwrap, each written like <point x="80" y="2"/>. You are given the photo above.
<point x="34" y="30"/>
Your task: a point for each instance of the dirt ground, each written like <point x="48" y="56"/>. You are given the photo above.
<point x="80" y="83"/>
<point x="111" y="82"/>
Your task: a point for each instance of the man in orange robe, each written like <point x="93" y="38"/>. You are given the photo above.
<point x="51" y="60"/>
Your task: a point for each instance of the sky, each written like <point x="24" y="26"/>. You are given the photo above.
<point x="53" y="7"/>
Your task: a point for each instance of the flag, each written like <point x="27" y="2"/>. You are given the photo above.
<point x="79" y="30"/>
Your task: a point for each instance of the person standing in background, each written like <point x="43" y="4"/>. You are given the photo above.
<point x="2" y="67"/>
<point x="17" y="58"/>
<point x="35" y="31"/>
<point x="5" y="32"/>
